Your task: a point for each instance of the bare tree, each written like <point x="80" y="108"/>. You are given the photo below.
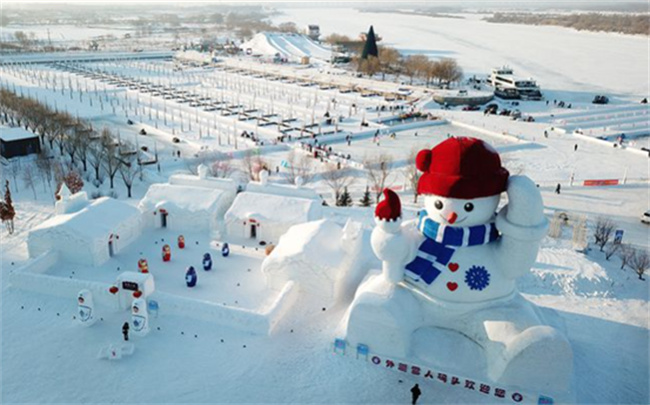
<point x="369" y="66"/>
<point x="111" y="162"/>
<point x="45" y="168"/>
<point x="337" y="179"/>
<point x="252" y="165"/>
<point x="378" y="169"/>
<point x="128" y="169"/>
<point x="412" y="174"/>
<point x="640" y="262"/>
<point x="299" y="166"/>
<point x="96" y="154"/>
<point x="29" y="179"/>
<point x="14" y="171"/>
<point x="415" y="65"/>
<point x="603" y="231"/>
<point x="449" y="71"/>
<point x="222" y="166"/>
<point x="625" y="252"/>
<point x="7" y="211"/>
<point x="388" y="60"/>
<point x="610" y="249"/>
<point x="84" y="143"/>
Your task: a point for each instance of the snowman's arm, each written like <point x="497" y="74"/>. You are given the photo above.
<point x="522" y="225"/>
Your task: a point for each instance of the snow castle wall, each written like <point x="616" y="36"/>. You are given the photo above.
<point x="264" y="321"/>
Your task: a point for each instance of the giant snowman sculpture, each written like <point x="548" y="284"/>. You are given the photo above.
<point x="454" y="269"/>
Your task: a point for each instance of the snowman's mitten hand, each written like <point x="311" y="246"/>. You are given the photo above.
<point x="525" y="206"/>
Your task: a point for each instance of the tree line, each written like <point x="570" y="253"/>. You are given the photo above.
<point x="390" y="61"/>
<point x="622" y="23"/>
<point x="70" y="148"/>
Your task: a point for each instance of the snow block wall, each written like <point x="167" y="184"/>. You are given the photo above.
<point x="321" y="257"/>
<point x="260" y="322"/>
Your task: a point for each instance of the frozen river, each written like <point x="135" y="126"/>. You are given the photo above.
<point x="579" y="64"/>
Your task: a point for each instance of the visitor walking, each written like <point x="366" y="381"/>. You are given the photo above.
<point x="415" y="394"/>
<point x="575" y="147"/>
<point x="557" y="188"/>
<point x="125" y="331"/>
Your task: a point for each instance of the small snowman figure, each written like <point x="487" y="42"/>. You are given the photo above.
<point x="225" y="250"/>
<point x="181" y="241"/>
<point x="139" y="317"/>
<point x="85" y="308"/>
<point x="190" y="277"/>
<point x="166" y="253"/>
<point x="207" y="262"/>
<point x="454" y="268"/>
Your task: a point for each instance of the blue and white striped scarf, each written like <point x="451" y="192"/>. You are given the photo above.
<point x="438" y="247"/>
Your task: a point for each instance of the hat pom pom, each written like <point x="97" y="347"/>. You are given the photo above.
<point x="390" y="208"/>
<point x="423" y="160"/>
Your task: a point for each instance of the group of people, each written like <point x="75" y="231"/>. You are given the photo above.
<point x="560" y="104"/>
<point x="324" y="152"/>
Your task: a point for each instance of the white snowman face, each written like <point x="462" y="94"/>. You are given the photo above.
<point x="85" y="298"/>
<point x="460" y="212"/>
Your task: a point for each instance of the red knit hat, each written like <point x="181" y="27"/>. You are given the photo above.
<point x="461" y="168"/>
<point x="390" y="208"/>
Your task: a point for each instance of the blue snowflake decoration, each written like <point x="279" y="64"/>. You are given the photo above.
<point x="477" y="278"/>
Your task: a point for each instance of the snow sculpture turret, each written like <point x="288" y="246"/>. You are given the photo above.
<point x="64" y="192"/>
<point x="203" y="171"/>
<point x="455" y="267"/>
<point x="68" y="202"/>
<point x="264" y="177"/>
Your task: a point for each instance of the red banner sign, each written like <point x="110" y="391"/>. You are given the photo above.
<point x="610" y="182"/>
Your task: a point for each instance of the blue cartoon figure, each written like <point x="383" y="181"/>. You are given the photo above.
<point x="225" y="250"/>
<point x="207" y="262"/>
<point x="191" y="277"/>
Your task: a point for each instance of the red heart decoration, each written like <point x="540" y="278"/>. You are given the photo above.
<point x="453" y="266"/>
<point x="452" y="286"/>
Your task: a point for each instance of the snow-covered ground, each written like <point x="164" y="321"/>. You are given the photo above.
<point x="46" y="357"/>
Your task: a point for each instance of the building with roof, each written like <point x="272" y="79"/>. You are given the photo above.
<point x="17" y="141"/>
<point x="264" y="211"/>
<point x="86" y="232"/>
<point x="188" y="202"/>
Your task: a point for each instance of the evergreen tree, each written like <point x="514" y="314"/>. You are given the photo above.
<point x="7" y="211"/>
<point x="344" y="199"/>
<point x="370" y="47"/>
<point x="366" y="201"/>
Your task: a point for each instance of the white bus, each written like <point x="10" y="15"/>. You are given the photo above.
<point x="507" y="85"/>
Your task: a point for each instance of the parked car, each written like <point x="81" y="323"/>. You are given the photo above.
<point x="471" y="108"/>
<point x="491" y="108"/>
<point x="600" y="100"/>
<point x="645" y="218"/>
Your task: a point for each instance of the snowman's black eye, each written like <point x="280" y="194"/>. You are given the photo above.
<point x="438" y="204"/>
<point x="469" y="207"/>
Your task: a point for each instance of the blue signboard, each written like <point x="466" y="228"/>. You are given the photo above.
<point x="618" y="236"/>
